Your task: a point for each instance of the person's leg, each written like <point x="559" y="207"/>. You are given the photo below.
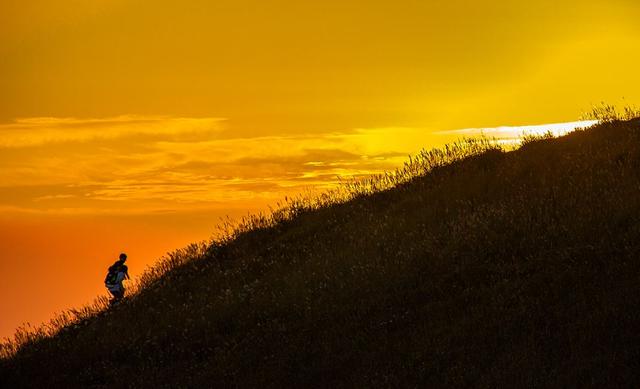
<point x="119" y="294"/>
<point x="116" y="293"/>
<point x="113" y="296"/>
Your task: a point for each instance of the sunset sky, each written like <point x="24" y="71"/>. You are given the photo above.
<point x="135" y="125"/>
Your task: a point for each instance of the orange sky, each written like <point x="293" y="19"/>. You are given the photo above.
<point x="129" y="125"/>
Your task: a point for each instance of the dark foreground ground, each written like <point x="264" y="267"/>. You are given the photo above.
<point x="507" y="270"/>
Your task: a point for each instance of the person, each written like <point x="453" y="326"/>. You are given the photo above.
<point x="118" y="272"/>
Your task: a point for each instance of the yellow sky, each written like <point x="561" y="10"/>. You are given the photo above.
<point x="300" y="66"/>
<point x="142" y="122"/>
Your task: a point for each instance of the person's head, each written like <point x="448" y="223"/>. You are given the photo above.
<point x="123" y="257"/>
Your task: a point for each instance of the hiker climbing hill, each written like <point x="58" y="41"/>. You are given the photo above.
<point x="118" y="272"/>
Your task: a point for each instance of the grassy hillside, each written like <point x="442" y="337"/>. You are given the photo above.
<point x="470" y="267"/>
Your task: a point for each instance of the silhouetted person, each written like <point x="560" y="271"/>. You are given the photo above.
<point x="118" y="272"/>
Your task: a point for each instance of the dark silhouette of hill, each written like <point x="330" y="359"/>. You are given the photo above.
<point x="498" y="269"/>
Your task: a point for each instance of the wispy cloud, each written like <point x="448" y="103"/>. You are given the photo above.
<point x="49" y="130"/>
<point x="138" y="164"/>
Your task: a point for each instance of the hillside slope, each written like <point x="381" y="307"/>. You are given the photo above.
<point x="517" y="269"/>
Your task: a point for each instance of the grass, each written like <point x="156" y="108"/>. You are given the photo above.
<point x="468" y="266"/>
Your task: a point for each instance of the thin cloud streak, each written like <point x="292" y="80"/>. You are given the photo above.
<point x="29" y="132"/>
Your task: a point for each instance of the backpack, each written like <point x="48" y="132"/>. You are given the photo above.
<point x="112" y="274"/>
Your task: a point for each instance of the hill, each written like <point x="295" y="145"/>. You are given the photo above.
<point x="483" y="268"/>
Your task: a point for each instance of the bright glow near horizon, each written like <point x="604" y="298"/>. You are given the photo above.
<point x="514" y="134"/>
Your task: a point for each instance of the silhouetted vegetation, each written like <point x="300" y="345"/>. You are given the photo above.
<point x="468" y="266"/>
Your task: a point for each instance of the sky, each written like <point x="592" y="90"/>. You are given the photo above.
<point x="129" y="125"/>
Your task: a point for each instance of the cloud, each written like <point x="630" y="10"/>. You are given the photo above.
<point x="29" y="132"/>
<point x="138" y="164"/>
